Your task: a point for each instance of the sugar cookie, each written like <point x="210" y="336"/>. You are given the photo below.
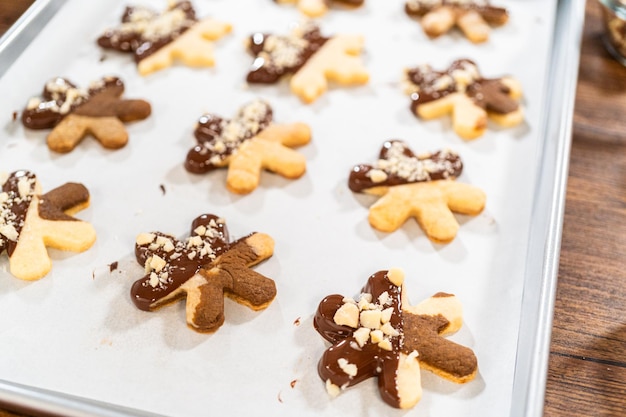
<point x="204" y="268"/>
<point x="247" y="144"/>
<point x="317" y="8"/>
<point x="473" y="17"/>
<point x="462" y="92"/>
<point x="310" y="58"/>
<point x="421" y="186"/>
<point x="30" y="222"/>
<point x="73" y="113"/>
<point x="157" y="40"/>
<point x="380" y="334"/>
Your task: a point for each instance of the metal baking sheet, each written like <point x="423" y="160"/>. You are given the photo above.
<point x="75" y="345"/>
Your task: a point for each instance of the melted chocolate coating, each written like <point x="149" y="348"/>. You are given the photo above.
<point x="264" y="70"/>
<point x="133" y="41"/>
<point x="446" y="164"/>
<point x="370" y="359"/>
<point x="202" y="157"/>
<point x="490" y="94"/>
<point x="47" y="114"/>
<point x="179" y="269"/>
<point x="15" y="208"/>
<point x="492" y="14"/>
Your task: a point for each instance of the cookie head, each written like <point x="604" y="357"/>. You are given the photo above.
<point x="380" y="335"/>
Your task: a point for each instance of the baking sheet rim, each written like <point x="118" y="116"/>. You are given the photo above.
<point x="544" y="240"/>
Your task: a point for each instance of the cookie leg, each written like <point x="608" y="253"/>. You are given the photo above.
<point x="438" y="21"/>
<point x="437" y="221"/>
<point x="434" y="317"/>
<point x="245" y="167"/>
<point x="68" y="133"/>
<point x="205" y="301"/>
<point x="30" y="261"/>
<point x="473" y="26"/>
<point x="109" y="131"/>
<point x="387" y="215"/>
<point x="313" y="8"/>
<point x="469" y="121"/>
<point x="408" y="380"/>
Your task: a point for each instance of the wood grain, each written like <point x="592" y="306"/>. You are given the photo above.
<point x="587" y="368"/>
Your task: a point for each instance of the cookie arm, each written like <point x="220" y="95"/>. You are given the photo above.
<point x="464" y="198"/>
<point x="439" y="315"/>
<point x="388" y="214"/>
<point x="291" y="135"/>
<point x="249" y="287"/>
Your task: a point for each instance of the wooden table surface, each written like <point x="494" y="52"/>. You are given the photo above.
<point x="587" y="368"/>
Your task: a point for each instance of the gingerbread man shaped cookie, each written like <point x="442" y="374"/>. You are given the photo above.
<point x="73" y="113"/>
<point x="204" y="268"/>
<point x="30" y="222"/>
<point x="156" y="40"/>
<point x="422" y="187"/>
<point x="310" y="58"/>
<point x="473" y="17"/>
<point x="382" y="335"/>
<point x="317" y="8"/>
<point x="248" y="144"/>
<point x="462" y="92"/>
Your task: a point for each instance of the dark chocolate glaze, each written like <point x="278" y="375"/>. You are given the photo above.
<point x="370" y="359"/>
<point x="54" y="203"/>
<point x="493" y="15"/>
<point x="208" y="131"/>
<point x="265" y="71"/>
<point x="15" y="208"/>
<point x="346" y="2"/>
<point x="45" y="116"/>
<point x="134" y="41"/>
<point x="490" y="94"/>
<point x="180" y="269"/>
<point x="449" y="165"/>
<point x="418" y="332"/>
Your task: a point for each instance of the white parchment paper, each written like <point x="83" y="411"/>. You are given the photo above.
<point x="77" y="331"/>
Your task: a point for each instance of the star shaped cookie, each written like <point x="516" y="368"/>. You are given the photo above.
<point x="381" y="335"/>
<point x="203" y="268"/>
